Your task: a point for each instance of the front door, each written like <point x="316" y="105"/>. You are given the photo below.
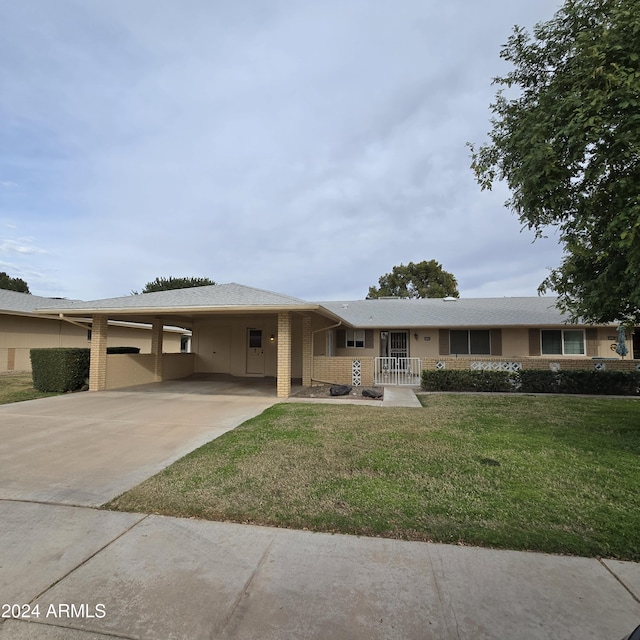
<point x="255" y="352"/>
<point x="398" y="344"/>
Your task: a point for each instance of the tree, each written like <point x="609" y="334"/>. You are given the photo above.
<point x="165" y="284"/>
<point x="13" y="284"/>
<point x="421" y="280"/>
<point x="568" y="147"/>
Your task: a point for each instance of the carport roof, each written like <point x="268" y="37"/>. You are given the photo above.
<point x="186" y="302"/>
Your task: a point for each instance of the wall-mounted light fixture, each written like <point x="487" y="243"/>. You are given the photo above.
<point x="272" y="338"/>
<point x="415" y="336"/>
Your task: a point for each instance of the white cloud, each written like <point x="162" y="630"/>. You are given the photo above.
<point x="23" y="246"/>
<point x="303" y="148"/>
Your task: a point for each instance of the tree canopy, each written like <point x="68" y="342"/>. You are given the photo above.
<point x="13" y="284"/>
<point x="165" y="284"/>
<point x="566" y="140"/>
<point x="416" y="280"/>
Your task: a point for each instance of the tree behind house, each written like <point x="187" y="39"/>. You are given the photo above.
<point x="426" y="279"/>
<point x="13" y="284"/>
<point x="166" y="284"/>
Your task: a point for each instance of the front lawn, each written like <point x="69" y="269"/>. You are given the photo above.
<point x="15" y="387"/>
<point x="552" y="474"/>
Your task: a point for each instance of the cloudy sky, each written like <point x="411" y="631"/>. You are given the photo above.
<point x="296" y="146"/>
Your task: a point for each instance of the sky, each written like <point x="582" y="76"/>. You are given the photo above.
<point x="300" y="147"/>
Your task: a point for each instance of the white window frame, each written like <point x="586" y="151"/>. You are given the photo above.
<point x="563" y="342"/>
<point x="354" y="339"/>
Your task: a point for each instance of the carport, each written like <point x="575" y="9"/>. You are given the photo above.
<point x="236" y="330"/>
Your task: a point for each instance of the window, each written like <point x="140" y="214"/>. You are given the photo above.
<point x="470" y="342"/>
<point x="355" y="338"/>
<point x="557" y="342"/>
<point x="255" y="338"/>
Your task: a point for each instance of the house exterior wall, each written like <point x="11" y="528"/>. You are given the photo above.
<point x="126" y="370"/>
<point x="221" y="344"/>
<point x="508" y="342"/>
<point x="514" y="344"/>
<point x="19" y="334"/>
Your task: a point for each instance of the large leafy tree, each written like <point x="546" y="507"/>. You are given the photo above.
<point x="165" y="284"/>
<point x="416" y="280"/>
<point x="13" y="284"/>
<point x="566" y="140"/>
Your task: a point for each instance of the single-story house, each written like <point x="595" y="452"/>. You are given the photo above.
<point x="243" y="331"/>
<point x="21" y="330"/>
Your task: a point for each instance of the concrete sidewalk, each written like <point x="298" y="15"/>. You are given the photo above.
<point x="393" y="397"/>
<point x="95" y="575"/>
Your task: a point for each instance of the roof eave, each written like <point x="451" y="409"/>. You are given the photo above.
<point x="200" y="310"/>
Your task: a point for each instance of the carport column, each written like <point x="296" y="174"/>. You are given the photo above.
<point x="98" y="364"/>
<point x="284" y="355"/>
<point x="307" y="356"/>
<point x="156" y="348"/>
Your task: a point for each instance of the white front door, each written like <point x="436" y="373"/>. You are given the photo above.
<point x="255" y="352"/>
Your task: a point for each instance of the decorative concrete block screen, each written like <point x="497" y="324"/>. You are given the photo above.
<point x="489" y="365"/>
<point x="356" y="373"/>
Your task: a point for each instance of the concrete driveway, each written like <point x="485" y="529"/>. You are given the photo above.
<point x="86" y="448"/>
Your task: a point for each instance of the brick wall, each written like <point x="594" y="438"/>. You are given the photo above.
<point x="338" y="370"/>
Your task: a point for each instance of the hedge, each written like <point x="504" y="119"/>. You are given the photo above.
<point x="60" y="369"/>
<point x="535" y="381"/>
<point x="454" y="380"/>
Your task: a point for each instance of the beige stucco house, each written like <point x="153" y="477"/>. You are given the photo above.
<point x="21" y="330"/>
<point x="243" y="331"/>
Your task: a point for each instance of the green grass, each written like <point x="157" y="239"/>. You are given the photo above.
<point x="16" y="387"/>
<point x="552" y="474"/>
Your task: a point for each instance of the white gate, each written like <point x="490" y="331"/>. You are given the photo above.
<point x="397" y="371"/>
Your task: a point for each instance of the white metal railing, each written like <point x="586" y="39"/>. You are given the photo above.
<point x="397" y="371"/>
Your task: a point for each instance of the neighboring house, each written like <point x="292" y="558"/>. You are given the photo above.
<point x="243" y="331"/>
<point x="21" y="330"/>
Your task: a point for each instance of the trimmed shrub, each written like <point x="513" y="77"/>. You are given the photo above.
<point x="535" y="381"/>
<point x="454" y="380"/>
<point x="60" y="369"/>
<point x="111" y="350"/>
<point x="538" y="381"/>
<point x="620" y="383"/>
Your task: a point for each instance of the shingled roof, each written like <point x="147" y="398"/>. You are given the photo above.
<point x="395" y="312"/>
<point x="449" y="312"/>
<point x="26" y="303"/>
<point x="218" y="296"/>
